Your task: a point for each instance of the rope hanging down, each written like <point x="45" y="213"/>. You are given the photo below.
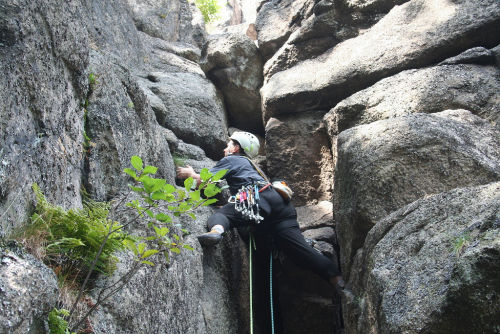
<point x="252" y="243"/>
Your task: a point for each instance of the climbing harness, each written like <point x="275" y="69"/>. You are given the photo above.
<point x="247" y="200"/>
<point x="253" y="245"/>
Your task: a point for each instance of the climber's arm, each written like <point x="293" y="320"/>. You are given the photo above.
<point x="188" y="171"/>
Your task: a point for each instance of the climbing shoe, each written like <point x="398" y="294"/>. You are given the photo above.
<point x="211" y="238"/>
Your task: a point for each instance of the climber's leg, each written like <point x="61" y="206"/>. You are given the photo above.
<point x="292" y="242"/>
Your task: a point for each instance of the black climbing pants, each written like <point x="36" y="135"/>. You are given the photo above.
<point x="280" y="221"/>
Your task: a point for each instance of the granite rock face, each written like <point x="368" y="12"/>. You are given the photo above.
<point x="415" y="34"/>
<point x="173" y="21"/>
<point x="305" y="163"/>
<point x="189" y="105"/>
<point x="190" y="294"/>
<point x="28" y="291"/>
<point x="275" y="22"/>
<point x="233" y="63"/>
<point x="434" y="89"/>
<point x="329" y="23"/>
<point x="430" y="267"/>
<point x="44" y="58"/>
<point x="90" y="83"/>
<point x="385" y="165"/>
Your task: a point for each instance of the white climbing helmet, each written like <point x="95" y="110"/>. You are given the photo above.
<point x="248" y="142"/>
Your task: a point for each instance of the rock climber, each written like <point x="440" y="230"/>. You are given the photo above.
<point x="279" y="216"/>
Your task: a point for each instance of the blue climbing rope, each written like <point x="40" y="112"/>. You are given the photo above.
<point x="271" y="289"/>
<point x="252" y="243"/>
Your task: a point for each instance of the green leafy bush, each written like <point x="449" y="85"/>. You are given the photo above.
<point x="57" y="324"/>
<point x="210" y="9"/>
<point x="76" y="234"/>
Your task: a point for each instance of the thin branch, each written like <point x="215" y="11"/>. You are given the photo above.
<point x="126" y="279"/>
<point x="80" y="294"/>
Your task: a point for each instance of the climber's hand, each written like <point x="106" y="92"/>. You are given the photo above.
<point x="185" y="172"/>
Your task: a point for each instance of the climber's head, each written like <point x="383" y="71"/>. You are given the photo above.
<point x="243" y="143"/>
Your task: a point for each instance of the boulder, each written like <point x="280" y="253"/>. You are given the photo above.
<point x="233" y="63"/>
<point x="189" y="105"/>
<point x="472" y="87"/>
<point x="173" y="21"/>
<point x="181" y="151"/>
<point x="28" y="291"/>
<point x="120" y="123"/>
<point x="243" y="28"/>
<point x="385" y="165"/>
<point x="298" y="151"/>
<point x="44" y="55"/>
<point x="277" y="20"/>
<point x="496" y="53"/>
<point x="321" y="234"/>
<point x="331" y="22"/>
<point x="478" y="55"/>
<point x="415" y="34"/>
<point x="430" y="267"/>
<point x="168" y="56"/>
<point x="315" y="216"/>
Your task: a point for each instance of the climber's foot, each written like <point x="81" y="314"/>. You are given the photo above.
<point x="211" y="238"/>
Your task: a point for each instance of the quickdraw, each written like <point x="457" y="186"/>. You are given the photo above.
<point x="247" y="200"/>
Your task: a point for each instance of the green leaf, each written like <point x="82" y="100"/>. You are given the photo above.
<point x="188" y="183"/>
<point x="205" y="174"/>
<point x="166" y="256"/>
<point x="150" y="214"/>
<point x="136" y="162"/>
<point x="219" y="175"/>
<point x="150" y="170"/>
<point x="177" y="214"/>
<point x="191" y="215"/>
<point x="148" y="183"/>
<point x="158" y="184"/>
<point x="181" y="193"/>
<point x="150" y="224"/>
<point x="176" y="237"/>
<point x="148" y="253"/>
<point x="148" y="262"/>
<point x="130" y="245"/>
<point x="157" y="230"/>
<point x="163" y="217"/>
<point x="141" y="247"/>
<point x="195" y="195"/>
<point x="175" y="250"/>
<point x="137" y="189"/>
<point x="169" y="188"/>
<point x="159" y="195"/>
<point x="210" y="190"/>
<point x="130" y="172"/>
<point x="151" y="238"/>
<point x="164" y="231"/>
<point x="188" y="247"/>
<point x="209" y="201"/>
<point x="184" y="207"/>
